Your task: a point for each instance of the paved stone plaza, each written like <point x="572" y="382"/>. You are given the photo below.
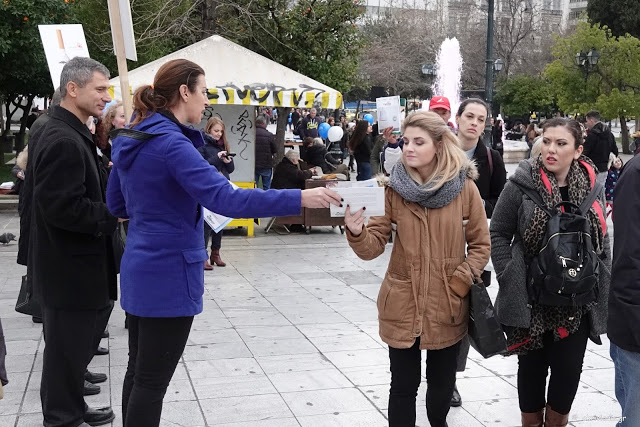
<point x="288" y="337"/>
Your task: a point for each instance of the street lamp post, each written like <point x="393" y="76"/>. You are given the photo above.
<point x="587" y="61"/>
<point x="488" y="84"/>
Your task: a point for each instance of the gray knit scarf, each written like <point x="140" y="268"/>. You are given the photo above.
<point x="410" y="190"/>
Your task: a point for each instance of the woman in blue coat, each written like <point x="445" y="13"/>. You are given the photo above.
<point x="159" y="182"/>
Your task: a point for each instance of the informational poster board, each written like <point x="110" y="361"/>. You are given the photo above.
<point x="389" y="113"/>
<point x="239" y="121"/>
<point x="61" y="43"/>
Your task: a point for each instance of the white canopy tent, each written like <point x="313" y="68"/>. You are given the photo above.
<point x="239" y="76"/>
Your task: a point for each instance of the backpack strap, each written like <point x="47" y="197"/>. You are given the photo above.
<point x="490" y="158"/>
<point x="535" y="198"/>
<point x="591" y="198"/>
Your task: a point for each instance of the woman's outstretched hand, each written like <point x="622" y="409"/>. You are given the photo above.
<point x="355" y="221"/>
<point x="320" y="197"/>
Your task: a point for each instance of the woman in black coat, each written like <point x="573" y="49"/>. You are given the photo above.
<point x="496" y="138"/>
<point x="215" y="151"/>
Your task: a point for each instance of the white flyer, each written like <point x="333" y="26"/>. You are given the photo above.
<point x="358" y="197"/>
<point x="216" y="221"/>
<point x="389" y="113"/>
<point x="61" y="43"/>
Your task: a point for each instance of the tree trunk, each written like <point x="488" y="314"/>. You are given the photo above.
<point x="283" y="116"/>
<point x="26" y="109"/>
<point x="10" y="100"/>
<point x="625" y="135"/>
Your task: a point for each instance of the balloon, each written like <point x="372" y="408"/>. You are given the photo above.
<point x="323" y="130"/>
<point x="369" y="118"/>
<point x="335" y="133"/>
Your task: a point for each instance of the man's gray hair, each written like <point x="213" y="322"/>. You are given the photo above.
<point x="261" y="121"/>
<point x="292" y="154"/>
<point x="313" y="110"/>
<point x="55" y="99"/>
<point x="80" y="71"/>
<point x="318" y="141"/>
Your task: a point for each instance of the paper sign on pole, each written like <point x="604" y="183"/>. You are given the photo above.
<point x="62" y="43"/>
<point x="389" y="113"/>
<point x="126" y="23"/>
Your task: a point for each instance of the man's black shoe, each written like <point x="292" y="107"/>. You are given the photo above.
<point x="105" y="334"/>
<point x="101" y="351"/>
<point x="36" y="319"/>
<point x="456" y="400"/>
<point x="90" y="389"/>
<point x="94" y="377"/>
<point x="99" y="416"/>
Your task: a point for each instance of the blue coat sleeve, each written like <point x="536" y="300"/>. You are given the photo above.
<point x="115" y="198"/>
<point x="214" y="191"/>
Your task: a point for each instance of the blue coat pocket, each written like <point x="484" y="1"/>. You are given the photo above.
<point x="194" y="270"/>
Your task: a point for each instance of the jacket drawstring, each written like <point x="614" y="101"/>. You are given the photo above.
<point x="446" y="288"/>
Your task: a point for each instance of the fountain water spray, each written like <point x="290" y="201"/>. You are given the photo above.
<point x="449" y="72"/>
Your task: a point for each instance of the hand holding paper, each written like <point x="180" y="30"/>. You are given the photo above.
<point x="355" y="221"/>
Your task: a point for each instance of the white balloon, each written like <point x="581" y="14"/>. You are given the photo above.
<point x="335" y="133"/>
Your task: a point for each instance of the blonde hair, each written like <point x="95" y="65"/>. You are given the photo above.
<point x="536" y="147"/>
<point x="217" y="121"/>
<point x="449" y="155"/>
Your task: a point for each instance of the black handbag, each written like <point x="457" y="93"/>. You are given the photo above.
<point x="485" y="332"/>
<point x="26" y="303"/>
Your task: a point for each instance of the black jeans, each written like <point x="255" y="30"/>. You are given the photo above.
<point x="71" y="341"/>
<point x="405" y="380"/>
<point x="565" y="358"/>
<point x="216" y="238"/>
<point x="155" y="347"/>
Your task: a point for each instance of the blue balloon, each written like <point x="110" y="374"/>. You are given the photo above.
<point x="369" y="118"/>
<point x="323" y="130"/>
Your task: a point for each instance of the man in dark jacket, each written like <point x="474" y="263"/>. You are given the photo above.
<point x="309" y="125"/>
<point x="288" y="173"/>
<point x="70" y="255"/>
<point x="265" y="149"/>
<point x="623" y="325"/>
<point x="316" y="154"/>
<point x="295" y="118"/>
<point x="599" y="144"/>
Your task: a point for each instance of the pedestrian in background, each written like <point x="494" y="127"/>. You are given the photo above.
<point x="361" y="145"/>
<point x="624" y="298"/>
<point x="265" y="150"/>
<point x="216" y="151"/>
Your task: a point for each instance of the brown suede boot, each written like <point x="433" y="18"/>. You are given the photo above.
<point x="207" y="266"/>
<point x="215" y="258"/>
<point x="532" y="419"/>
<point x="555" y="419"/>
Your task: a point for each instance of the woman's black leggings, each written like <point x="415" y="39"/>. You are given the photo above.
<point x="405" y="380"/>
<point x="564" y="357"/>
<point x="155" y="347"/>
<point x="216" y="238"/>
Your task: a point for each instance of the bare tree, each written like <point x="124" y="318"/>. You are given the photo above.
<point x="399" y="44"/>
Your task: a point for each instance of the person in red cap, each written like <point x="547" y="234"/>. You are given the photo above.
<point x="442" y="107"/>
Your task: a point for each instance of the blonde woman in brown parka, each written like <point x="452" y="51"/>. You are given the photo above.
<point x="423" y="304"/>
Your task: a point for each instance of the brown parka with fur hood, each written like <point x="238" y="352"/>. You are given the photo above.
<point x="425" y="290"/>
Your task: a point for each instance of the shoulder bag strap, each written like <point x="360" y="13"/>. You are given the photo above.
<point x="490" y="158"/>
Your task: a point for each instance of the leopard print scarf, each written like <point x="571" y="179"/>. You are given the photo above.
<point x="560" y="321"/>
